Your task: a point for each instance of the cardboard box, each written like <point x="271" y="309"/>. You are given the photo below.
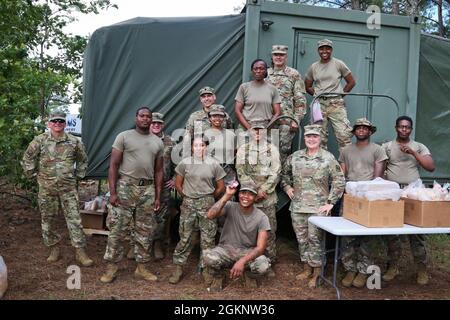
<point x="93" y="219"/>
<point x="374" y="214"/>
<point x="427" y="213"/>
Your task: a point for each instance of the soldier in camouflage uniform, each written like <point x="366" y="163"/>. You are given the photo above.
<point x="58" y="159"/>
<point x="222" y="142"/>
<point x="306" y="177"/>
<point x="259" y="162"/>
<point x="243" y="239"/>
<point x="326" y="76"/>
<point x="291" y="87"/>
<point x="135" y="179"/>
<point x="157" y="128"/>
<point x="199" y="179"/>
<point x="198" y="121"/>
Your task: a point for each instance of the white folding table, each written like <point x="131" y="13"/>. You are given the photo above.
<point x="341" y="227"/>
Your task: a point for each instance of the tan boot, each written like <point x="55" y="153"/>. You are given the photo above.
<point x="271" y="273"/>
<point x="207" y="277"/>
<point x="130" y="254"/>
<point x="176" y="276"/>
<point x="360" y="280"/>
<point x="348" y="279"/>
<point x="54" y="254"/>
<point x="110" y="274"/>
<point x="422" y="275"/>
<point x="306" y="273"/>
<point x="313" y="282"/>
<point x="391" y="273"/>
<point x="141" y="271"/>
<point x="82" y="257"/>
<point x="158" y="250"/>
<point x="250" y="280"/>
<point x="216" y="284"/>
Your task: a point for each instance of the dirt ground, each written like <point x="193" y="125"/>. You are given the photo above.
<point x="31" y="277"/>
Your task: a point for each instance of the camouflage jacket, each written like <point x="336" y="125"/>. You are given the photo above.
<point x="57" y="162"/>
<point x="169" y="166"/>
<point x="292" y="91"/>
<point x="199" y="119"/>
<point x="261" y="164"/>
<point x="311" y="177"/>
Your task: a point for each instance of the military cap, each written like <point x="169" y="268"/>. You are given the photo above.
<point x="313" y="129"/>
<point x="57" y="116"/>
<point x="279" y="48"/>
<point x="364" y="122"/>
<point x="249" y="186"/>
<point x="324" y="42"/>
<point x="206" y="90"/>
<point x="258" y="124"/>
<point x="157" y="117"/>
<point x="216" y="109"/>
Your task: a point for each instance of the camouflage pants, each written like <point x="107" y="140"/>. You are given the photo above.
<point x="193" y="216"/>
<point x="418" y="248"/>
<point x="286" y="137"/>
<point x="49" y="202"/>
<point x="138" y="201"/>
<point x="356" y="253"/>
<point x="225" y="256"/>
<point x="309" y="238"/>
<point x="271" y="213"/>
<point x="162" y="215"/>
<point x="334" y="110"/>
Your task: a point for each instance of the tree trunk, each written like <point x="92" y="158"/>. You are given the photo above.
<point x="440" y="20"/>
<point x="356" y="5"/>
<point x="395" y="7"/>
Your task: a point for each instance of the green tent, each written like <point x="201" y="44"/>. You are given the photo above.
<point x="433" y="111"/>
<point x="156" y="62"/>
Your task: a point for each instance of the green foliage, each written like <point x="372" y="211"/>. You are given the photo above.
<point x="39" y="63"/>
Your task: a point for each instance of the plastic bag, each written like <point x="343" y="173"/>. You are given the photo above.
<point x="3" y="277"/>
<point x="417" y="191"/>
<point x="316" y="113"/>
<point x="388" y="194"/>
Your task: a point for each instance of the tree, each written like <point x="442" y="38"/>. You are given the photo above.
<point x="434" y="13"/>
<point x="39" y="63"/>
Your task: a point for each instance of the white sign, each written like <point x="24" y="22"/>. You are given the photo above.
<point x="73" y="123"/>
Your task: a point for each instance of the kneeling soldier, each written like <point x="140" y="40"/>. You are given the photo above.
<point x="243" y="239"/>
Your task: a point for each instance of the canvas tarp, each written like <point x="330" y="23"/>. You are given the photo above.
<point x="156" y="62"/>
<point x="433" y="110"/>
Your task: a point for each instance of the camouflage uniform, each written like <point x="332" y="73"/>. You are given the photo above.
<point x="293" y="103"/>
<point x="260" y="163"/>
<point x="310" y="176"/>
<point x="53" y="160"/>
<point x="192" y="218"/>
<point x="136" y="210"/>
<point x="224" y="256"/>
<point x="166" y="201"/>
<point x="418" y="249"/>
<point x="333" y="109"/>
<point x="199" y="120"/>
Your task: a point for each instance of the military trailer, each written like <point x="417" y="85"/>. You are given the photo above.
<point x="163" y="62"/>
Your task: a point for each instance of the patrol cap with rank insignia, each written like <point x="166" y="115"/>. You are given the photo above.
<point x="57" y="116"/>
<point x="279" y="48"/>
<point x="216" y="109"/>
<point x="249" y="186"/>
<point x="157" y="117"/>
<point x="313" y="129"/>
<point x="324" y="42"/>
<point x="206" y="90"/>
